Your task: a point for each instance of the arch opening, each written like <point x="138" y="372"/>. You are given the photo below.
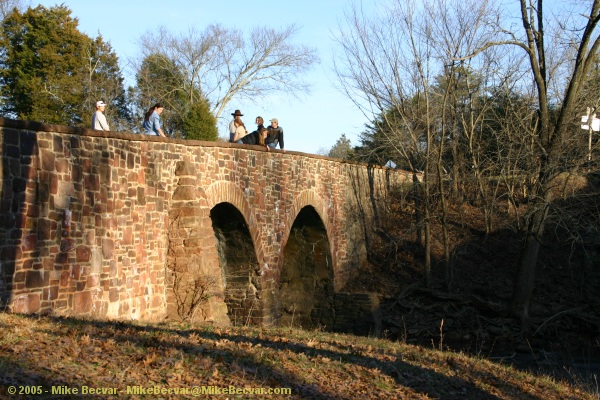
<point x="239" y="266"/>
<point x="306" y="283"/>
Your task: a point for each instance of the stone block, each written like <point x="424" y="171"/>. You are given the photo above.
<point x="82" y="254"/>
<point x="26" y="304"/>
<point x="61" y="258"/>
<point x="91" y="182"/>
<point x="48" y="158"/>
<point x="76" y="272"/>
<point x="82" y="302"/>
<point x="187" y="181"/>
<point x="184" y="193"/>
<point x="130" y="161"/>
<point x="193" y="243"/>
<point x="141" y="196"/>
<point x="28" y="143"/>
<point x="65" y="278"/>
<point x="76" y="173"/>
<point x="62" y="166"/>
<point x="108" y="247"/>
<point x="184" y="168"/>
<point x="36" y="279"/>
<point x="29" y="243"/>
<point x="105" y="175"/>
<point x="57" y="144"/>
<point x="50" y="293"/>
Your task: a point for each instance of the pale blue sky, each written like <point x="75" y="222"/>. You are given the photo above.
<point x="315" y="121"/>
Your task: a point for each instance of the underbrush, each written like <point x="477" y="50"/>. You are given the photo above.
<point x="563" y="339"/>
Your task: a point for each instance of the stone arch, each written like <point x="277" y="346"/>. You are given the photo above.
<point x="303" y="199"/>
<point x="239" y="251"/>
<point x="306" y="281"/>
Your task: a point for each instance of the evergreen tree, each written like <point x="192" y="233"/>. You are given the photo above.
<point x="105" y="82"/>
<point x="157" y="82"/>
<point x="341" y="149"/>
<point x="49" y="71"/>
<point x="187" y="114"/>
<point x="199" y="123"/>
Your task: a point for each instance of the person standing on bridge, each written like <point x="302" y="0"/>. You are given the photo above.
<point x="237" y="129"/>
<point x="152" y="121"/>
<point x="275" y="135"/>
<point x="98" y="119"/>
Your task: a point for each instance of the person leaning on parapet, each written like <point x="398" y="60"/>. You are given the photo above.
<point x="152" y="121"/>
<point x="274" y="135"/>
<point x="257" y="137"/>
<point x="237" y="129"/>
<point x="98" y="119"/>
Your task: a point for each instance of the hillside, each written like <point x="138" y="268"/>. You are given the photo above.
<point x="563" y="337"/>
<point x="76" y="358"/>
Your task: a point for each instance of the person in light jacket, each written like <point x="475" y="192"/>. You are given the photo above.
<point x="98" y="119"/>
<point x="152" y="121"/>
<point x="237" y="129"/>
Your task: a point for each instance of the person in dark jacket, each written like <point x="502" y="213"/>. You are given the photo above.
<point x="259" y="123"/>
<point x="274" y="135"/>
<point x="257" y="137"/>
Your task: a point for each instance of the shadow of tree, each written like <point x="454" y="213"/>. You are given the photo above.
<point x="30" y="384"/>
<point x="245" y="356"/>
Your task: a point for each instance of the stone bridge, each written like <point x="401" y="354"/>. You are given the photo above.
<point x="126" y="226"/>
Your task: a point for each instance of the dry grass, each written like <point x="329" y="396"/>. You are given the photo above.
<point x="47" y="351"/>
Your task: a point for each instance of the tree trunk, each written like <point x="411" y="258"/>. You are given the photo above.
<point x="418" y="217"/>
<point x="427" y="261"/>
<point x="524" y="284"/>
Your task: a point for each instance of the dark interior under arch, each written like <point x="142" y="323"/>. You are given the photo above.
<point x="239" y="265"/>
<point x="306" y="283"/>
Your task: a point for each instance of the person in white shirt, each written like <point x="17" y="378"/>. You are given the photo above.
<point x="98" y="119"/>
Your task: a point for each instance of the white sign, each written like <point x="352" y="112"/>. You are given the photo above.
<point x="595" y="123"/>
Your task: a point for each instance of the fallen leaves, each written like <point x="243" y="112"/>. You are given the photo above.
<point x="312" y="364"/>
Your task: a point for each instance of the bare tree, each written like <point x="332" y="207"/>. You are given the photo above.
<point x="561" y="54"/>
<point x="383" y="68"/>
<point x="388" y="65"/>
<point x="221" y="65"/>
<point x="6" y="6"/>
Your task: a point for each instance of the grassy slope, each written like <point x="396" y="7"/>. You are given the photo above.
<point x="50" y="351"/>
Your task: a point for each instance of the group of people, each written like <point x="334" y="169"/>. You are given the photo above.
<point x="269" y="137"/>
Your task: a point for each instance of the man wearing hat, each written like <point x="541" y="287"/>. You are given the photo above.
<point x="275" y="135"/>
<point x="237" y="129"/>
<point x="98" y="119"/>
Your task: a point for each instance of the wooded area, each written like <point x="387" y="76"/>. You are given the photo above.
<point x="486" y="102"/>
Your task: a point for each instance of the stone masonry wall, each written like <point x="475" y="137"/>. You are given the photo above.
<point x="95" y="223"/>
